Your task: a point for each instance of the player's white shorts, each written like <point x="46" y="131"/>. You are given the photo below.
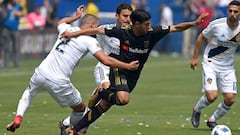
<point x="224" y="81"/>
<point x="64" y="94"/>
<point x="101" y="73"/>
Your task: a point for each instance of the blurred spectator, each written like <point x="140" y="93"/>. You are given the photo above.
<point x="48" y="11"/>
<point x="23" y="4"/>
<point x="190" y="14"/>
<point x="203" y="8"/>
<point x="223" y="3"/>
<point x="91" y="8"/>
<point x="10" y="32"/>
<point x="2" y="17"/>
<point x="135" y="4"/>
<point x="216" y="13"/>
<point x="35" y="19"/>
<point x="143" y="5"/>
<point x="30" y="5"/>
<point x="165" y="44"/>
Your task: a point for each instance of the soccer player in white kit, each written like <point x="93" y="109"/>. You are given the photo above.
<point x="109" y="45"/>
<point x="53" y="74"/>
<point x="218" y="64"/>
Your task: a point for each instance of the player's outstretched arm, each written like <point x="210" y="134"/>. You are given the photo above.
<point x="198" y="44"/>
<point x="78" y="14"/>
<point x="186" y="25"/>
<point x="112" y="62"/>
<point x="92" y="31"/>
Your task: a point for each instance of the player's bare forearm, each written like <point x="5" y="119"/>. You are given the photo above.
<point x="73" y="18"/>
<point x="119" y="64"/>
<point x="187" y="25"/>
<point x="181" y="26"/>
<point x="114" y="63"/>
<point x="92" y="31"/>
<point x="198" y="44"/>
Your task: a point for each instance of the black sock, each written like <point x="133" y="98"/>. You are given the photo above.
<point x="109" y="96"/>
<point x="89" y="117"/>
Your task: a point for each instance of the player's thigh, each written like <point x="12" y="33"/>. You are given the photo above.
<point x="209" y="79"/>
<point x="64" y="94"/>
<point x="228" y="82"/>
<point x="35" y="84"/>
<point x="101" y="74"/>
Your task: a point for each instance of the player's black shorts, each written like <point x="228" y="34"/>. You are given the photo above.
<point x="118" y="80"/>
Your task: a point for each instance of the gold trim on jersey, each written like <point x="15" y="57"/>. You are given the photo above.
<point x="236" y="35"/>
<point x="116" y="76"/>
<point x="125" y="27"/>
<point x="146" y="44"/>
<point x="238" y="38"/>
<point x="89" y="115"/>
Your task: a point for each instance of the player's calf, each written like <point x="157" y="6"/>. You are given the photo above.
<point x="94" y="98"/>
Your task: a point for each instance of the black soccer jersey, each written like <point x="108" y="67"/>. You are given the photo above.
<point x="135" y="47"/>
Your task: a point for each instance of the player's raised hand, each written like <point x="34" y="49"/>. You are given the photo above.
<point x="200" y="18"/>
<point x="133" y="65"/>
<point x="194" y="63"/>
<point x="80" y="10"/>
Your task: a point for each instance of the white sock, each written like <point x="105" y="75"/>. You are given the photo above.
<point x="221" y="110"/>
<point x="66" y="121"/>
<point x="77" y="116"/>
<point x="202" y="103"/>
<point x="24" y="102"/>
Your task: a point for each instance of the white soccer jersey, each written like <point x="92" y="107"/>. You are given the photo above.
<point x="219" y="53"/>
<point x="64" y="57"/>
<point x="109" y="44"/>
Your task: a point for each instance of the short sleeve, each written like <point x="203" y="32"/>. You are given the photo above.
<point x="207" y="32"/>
<point x="93" y="45"/>
<point x="63" y="27"/>
<point x="113" y="32"/>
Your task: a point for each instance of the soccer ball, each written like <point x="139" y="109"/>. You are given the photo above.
<point x="221" y="130"/>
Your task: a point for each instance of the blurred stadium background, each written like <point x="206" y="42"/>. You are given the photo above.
<point x="37" y="43"/>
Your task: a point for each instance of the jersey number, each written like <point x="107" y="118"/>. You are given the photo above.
<point x="58" y="47"/>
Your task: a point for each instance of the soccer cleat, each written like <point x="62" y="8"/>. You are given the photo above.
<point x="70" y="131"/>
<point x="195" y="118"/>
<point x="15" y="124"/>
<point x="211" y="124"/>
<point x="62" y="128"/>
<point x="94" y="98"/>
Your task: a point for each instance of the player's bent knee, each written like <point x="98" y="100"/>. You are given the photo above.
<point x="123" y="101"/>
<point x="211" y="98"/>
<point x="229" y="99"/>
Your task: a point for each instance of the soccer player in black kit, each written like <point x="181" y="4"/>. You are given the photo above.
<point x="136" y="43"/>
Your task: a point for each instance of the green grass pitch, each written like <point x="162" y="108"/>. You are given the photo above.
<point x="161" y="104"/>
